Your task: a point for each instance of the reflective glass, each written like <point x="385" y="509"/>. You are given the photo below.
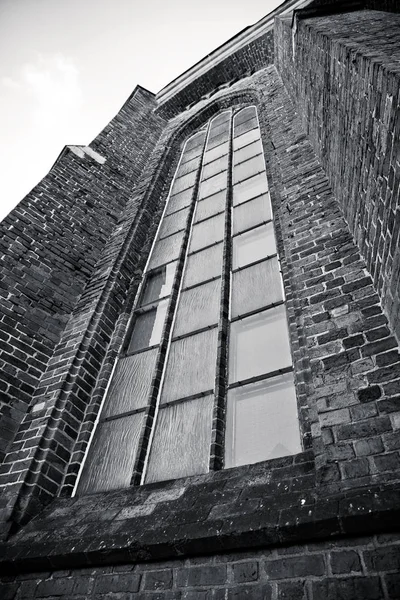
<point x="207" y="232"/>
<point x="259" y="344"/>
<point x="246" y="138"/>
<point x="217" y="130"/>
<point x="213" y="185"/>
<point x="215" y="153"/>
<point x="256" y="287"/>
<point x="189" y="166"/>
<point x="166" y="250"/>
<point x="198" y="308"/>
<point x="203" y="265"/>
<point x="191" y="154"/>
<point x="131" y="383"/>
<point x="182" y="438"/>
<point x="247" y="169"/>
<point x="184" y="182"/>
<point x="191" y="366"/>
<point x="210" y="206"/>
<point x="216" y="166"/>
<point x="148" y="327"/>
<point x="111" y="457"/>
<point x="250" y="188"/>
<point x="217" y="140"/>
<point x="253" y="245"/>
<point x="179" y="201"/>
<point x="247" y="152"/>
<point x="158" y="284"/>
<point x="195" y="141"/>
<point x="244" y="115"/>
<point x="221" y="118"/>
<point x="252" y="213"/>
<point x="173" y="223"/>
<point x="262" y="422"/>
<point x="241" y="128"/>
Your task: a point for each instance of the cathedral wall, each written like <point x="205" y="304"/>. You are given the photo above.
<point x="364" y="568"/>
<point x="347" y="92"/>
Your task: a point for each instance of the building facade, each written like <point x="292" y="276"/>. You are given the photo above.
<point x="200" y="372"/>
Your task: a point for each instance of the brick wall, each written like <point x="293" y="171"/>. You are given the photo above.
<point x="364" y="568"/>
<point x="347" y="93"/>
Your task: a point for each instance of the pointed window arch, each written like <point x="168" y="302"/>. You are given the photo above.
<point x="205" y="376"/>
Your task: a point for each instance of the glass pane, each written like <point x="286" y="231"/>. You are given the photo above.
<point x="247" y="152"/>
<point x="210" y="206"/>
<point x="195" y="141"/>
<point x="259" y="344"/>
<point x="250" y="188"/>
<point x="255" y="287"/>
<point x="218" y="139"/>
<point x="111" y="457"/>
<point x="179" y="201"/>
<point x="215" y="153"/>
<point x="203" y="265"/>
<point x="191" y="154"/>
<point x="221" y="118"/>
<point x="253" y="245"/>
<point x="158" y="283"/>
<point x="198" y="308"/>
<point x="218" y="129"/>
<point x="213" y="185"/>
<point x="166" y="250"/>
<point x="175" y="451"/>
<point x="184" y="182"/>
<point x="245" y="126"/>
<point x="131" y="383"/>
<point x="247" y="169"/>
<point x="252" y="213"/>
<point x="191" y="366"/>
<point x="207" y="232"/>
<point x="216" y="166"/>
<point x="262" y="422"/>
<point x="246" y="138"/>
<point x="148" y="328"/>
<point x="189" y="166"/>
<point x="173" y="223"/>
<point x="244" y="115"/>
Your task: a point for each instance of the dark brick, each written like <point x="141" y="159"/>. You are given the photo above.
<point x="55" y="587"/>
<point x="289" y="590"/>
<point x="158" y="580"/>
<point x="251" y="592"/>
<point x="245" y="571"/>
<point x="353" y="341"/>
<point x="383" y="559"/>
<point x="392" y="581"/>
<point x="301" y="566"/>
<point x="367" y="588"/>
<point x="345" y="562"/>
<point x="372" y="392"/>
<point x="105" y="584"/>
<point x="208" y="575"/>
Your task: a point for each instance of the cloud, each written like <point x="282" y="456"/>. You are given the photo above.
<point x="52" y="83"/>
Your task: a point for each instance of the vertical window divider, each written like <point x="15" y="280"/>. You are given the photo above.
<point x="220" y="388"/>
<point x="152" y="407"/>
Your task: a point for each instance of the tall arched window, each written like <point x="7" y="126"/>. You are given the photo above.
<point x="205" y="377"/>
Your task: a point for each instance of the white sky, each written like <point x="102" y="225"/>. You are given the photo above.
<point x="67" y="66"/>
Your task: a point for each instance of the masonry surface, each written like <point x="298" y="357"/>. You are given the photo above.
<point x="288" y="528"/>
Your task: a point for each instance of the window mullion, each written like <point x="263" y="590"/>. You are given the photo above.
<point x="220" y="388"/>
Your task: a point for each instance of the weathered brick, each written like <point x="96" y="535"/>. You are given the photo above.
<point x="345" y="562"/>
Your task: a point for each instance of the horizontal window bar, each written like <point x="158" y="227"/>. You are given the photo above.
<point x="221" y="212"/>
<point x="269" y="375"/>
<point x="205" y="247"/>
<point x="194" y="332"/>
<point x="248" y="177"/>
<point x="164" y="237"/>
<point x="257" y="310"/>
<point x="250" y="228"/>
<point x="248" y="158"/>
<point x="126" y="354"/>
<point x="249" y="200"/>
<point x="186" y="399"/>
<point x="260" y="260"/>
<point x="127" y="413"/>
<point x="195" y="285"/>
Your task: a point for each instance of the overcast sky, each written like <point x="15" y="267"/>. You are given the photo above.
<point x="67" y="66"/>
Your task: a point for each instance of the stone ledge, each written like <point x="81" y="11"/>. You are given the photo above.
<point x="241" y="508"/>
